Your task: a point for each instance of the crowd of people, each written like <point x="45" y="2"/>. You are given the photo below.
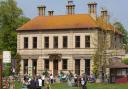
<point x="40" y="81"/>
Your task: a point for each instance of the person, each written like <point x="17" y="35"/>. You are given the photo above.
<point x="83" y="83"/>
<point x="40" y="82"/>
<point x="43" y="78"/>
<point x="33" y="83"/>
<point x="51" y="78"/>
<point x="37" y="83"/>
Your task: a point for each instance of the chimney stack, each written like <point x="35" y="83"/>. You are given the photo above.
<point x="104" y="15"/>
<point x="92" y="9"/>
<point x="70" y="8"/>
<point x="41" y="10"/>
<point x="50" y="13"/>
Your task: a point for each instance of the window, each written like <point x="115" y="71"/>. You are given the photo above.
<point x="64" y="64"/>
<point x="25" y="42"/>
<point x="87" y="66"/>
<point x="34" y="42"/>
<point x="46" y="65"/>
<point x="25" y="66"/>
<point x="55" y="45"/>
<point x="87" y="41"/>
<point x="77" y="41"/>
<point x="65" y="41"/>
<point x="46" y="42"/>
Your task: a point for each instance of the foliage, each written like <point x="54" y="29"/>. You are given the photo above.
<point x="18" y="60"/>
<point x="120" y="27"/>
<point x="7" y="67"/>
<point x="125" y="61"/>
<point x="46" y="73"/>
<point x="10" y="20"/>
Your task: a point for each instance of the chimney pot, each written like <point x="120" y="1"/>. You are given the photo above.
<point x="92" y="9"/>
<point x="41" y="10"/>
<point x="50" y="13"/>
<point x="70" y="8"/>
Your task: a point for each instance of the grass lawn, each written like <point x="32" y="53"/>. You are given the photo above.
<point x="89" y="86"/>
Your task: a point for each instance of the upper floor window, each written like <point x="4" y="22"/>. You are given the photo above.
<point x="34" y="42"/>
<point x="46" y="42"/>
<point x="55" y="42"/>
<point x="65" y="64"/>
<point x="65" y="41"/>
<point x="25" y="42"/>
<point x="87" y="41"/>
<point x="77" y="41"/>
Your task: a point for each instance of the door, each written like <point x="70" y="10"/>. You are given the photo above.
<point x="55" y="67"/>
<point x="77" y="66"/>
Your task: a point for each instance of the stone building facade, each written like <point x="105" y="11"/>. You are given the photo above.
<point x="63" y="43"/>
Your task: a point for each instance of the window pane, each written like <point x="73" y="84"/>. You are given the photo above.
<point x="65" y="41"/>
<point x="55" y="42"/>
<point x="64" y="64"/>
<point x="77" y="41"/>
<point x="34" y="42"/>
<point x="46" y="42"/>
<point x="25" y="42"/>
<point x="46" y="65"/>
<point x="87" y="41"/>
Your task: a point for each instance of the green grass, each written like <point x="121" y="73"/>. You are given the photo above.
<point x="89" y="86"/>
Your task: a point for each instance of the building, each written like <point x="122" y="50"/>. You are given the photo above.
<point x="65" y="42"/>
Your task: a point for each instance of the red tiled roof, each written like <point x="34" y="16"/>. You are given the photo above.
<point x="66" y="22"/>
<point x="60" y="22"/>
<point x="117" y="64"/>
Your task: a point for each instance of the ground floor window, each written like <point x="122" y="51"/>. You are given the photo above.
<point x="87" y="66"/>
<point x="46" y="64"/>
<point x="77" y="66"/>
<point x="34" y="66"/>
<point x="25" y="66"/>
<point x="64" y="64"/>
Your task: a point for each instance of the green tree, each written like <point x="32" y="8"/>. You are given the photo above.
<point x="10" y="19"/>
<point x="121" y="28"/>
<point x="125" y="61"/>
<point x="18" y="60"/>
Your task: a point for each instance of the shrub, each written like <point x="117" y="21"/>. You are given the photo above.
<point x="125" y="61"/>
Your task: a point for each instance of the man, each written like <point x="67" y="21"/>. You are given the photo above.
<point x="40" y="82"/>
<point x="33" y="83"/>
<point x="43" y="78"/>
<point x="83" y="83"/>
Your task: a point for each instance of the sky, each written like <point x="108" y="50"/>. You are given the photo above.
<point x="118" y="9"/>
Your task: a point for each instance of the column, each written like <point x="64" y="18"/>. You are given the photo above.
<point x="73" y="66"/>
<point x="30" y="66"/>
<point x="60" y="65"/>
<point x="39" y="65"/>
<point x="51" y="66"/>
<point x="22" y="67"/>
<point x="82" y="66"/>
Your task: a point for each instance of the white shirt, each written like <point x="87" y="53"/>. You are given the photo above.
<point x="51" y="77"/>
<point x="40" y="82"/>
<point x="43" y="77"/>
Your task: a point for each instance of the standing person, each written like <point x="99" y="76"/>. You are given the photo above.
<point x="51" y="78"/>
<point x="43" y="78"/>
<point x="37" y="83"/>
<point x="83" y="83"/>
<point x="33" y="83"/>
<point x="40" y="83"/>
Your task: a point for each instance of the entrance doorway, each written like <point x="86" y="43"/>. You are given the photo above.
<point x="77" y="66"/>
<point x="55" y="67"/>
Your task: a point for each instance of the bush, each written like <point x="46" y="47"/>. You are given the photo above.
<point x="125" y="61"/>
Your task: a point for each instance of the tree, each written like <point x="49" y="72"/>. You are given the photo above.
<point x="18" y="65"/>
<point x="125" y="61"/>
<point x="121" y="28"/>
<point x="10" y="20"/>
